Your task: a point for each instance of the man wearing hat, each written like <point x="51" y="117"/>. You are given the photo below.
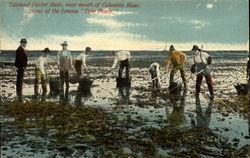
<point x="40" y="76"/>
<point x="80" y="62"/>
<point x="64" y="61"/>
<point x="21" y="64"/>
<point x="177" y="60"/>
<point x="202" y="61"/>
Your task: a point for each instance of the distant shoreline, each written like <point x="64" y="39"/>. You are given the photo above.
<point x="142" y="50"/>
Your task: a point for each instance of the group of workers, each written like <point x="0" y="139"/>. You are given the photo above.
<point x="175" y="60"/>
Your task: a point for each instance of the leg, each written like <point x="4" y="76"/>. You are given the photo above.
<point x="44" y="87"/>
<point x="36" y="86"/>
<point x="120" y="71"/>
<point x="172" y="74"/>
<point x="19" y="83"/>
<point x="209" y="81"/>
<point x="199" y="78"/>
<point x="183" y="76"/>
<point x="62" y="77"/>
<point x="154" y="81"/>
<point x="157" y="83"/>
<point x="127" y="70"/>
<point x="67" y="79"/>
<point x="37" y="79"/>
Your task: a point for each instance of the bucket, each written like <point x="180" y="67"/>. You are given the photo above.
<point x="123" y="82"/>
<point x="55" y="86"/>
<point x="85" y="84"/>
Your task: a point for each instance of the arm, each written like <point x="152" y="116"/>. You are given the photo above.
<point x="115" y="61"/>
<point x="17" y="59"/>
<point x="70" y="58"/>
<point x="84" y="63"/>
<point x="168" y="62"/>
<point x="183" y="58"/>
<point x="41" y="64"/>
<point x="209" y="60"/>
<point x="25" y="58"/>
<point x="159" y="75"/>
<point x="129" y="56"/>
<point x="58" y="59"/>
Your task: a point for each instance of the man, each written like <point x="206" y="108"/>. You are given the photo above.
<point x="21" y="64"/>
<point x="201" y="65"/>
<point x="80" y="62"/>
<point x="64" y="61"/>
<point x="154" y="71"/>
<point x="40" y="76"/>
<point x="124" y="58"/>
<point x="177" y="60"/>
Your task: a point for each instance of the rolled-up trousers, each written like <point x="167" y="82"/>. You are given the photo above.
<point x="209" y="81"/>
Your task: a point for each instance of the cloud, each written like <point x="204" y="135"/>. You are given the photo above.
<point x="109" y="41"/>
<point x="27" y="15"/>
<point x="198" y="5"/>
<point x="110" y="23"/>
<point x="210" y="6"/>
<point x="114" y="13"/>
<point x="198" y="24"/>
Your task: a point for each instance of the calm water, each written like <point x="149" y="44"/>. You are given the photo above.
<point x="139" y="58"/>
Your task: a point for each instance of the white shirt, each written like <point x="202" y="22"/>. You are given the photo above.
<point x="64" y="53"/>
<point x="157" y="65"/>
<point x="201" y="57"/>
<point x="120" y="56"/>
<point x="83" y="56"/>
<point x="40" y="63"/>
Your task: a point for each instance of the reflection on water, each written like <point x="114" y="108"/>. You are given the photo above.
<point x="123" y="85"/>
<point x="203" y="119"/>
<point x="82" y="96"/>
<point x="177" y="117"/>
<point x="64" y="96"/>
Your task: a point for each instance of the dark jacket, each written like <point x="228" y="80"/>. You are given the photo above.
<point x="21" y="58"/>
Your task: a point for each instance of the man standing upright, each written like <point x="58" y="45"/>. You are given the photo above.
<point x="124" y="58"/>
<point x="21" y="64"/>
<point x="64" y="61"/>
<point x="201" y="66"/>
<point x="177" y="60"/>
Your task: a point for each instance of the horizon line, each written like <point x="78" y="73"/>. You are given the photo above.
<point x="134" y="50"/>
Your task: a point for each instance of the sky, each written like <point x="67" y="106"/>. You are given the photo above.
<point x="154" y="25"/>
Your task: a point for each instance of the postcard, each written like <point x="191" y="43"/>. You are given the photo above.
<point x="124" y="78"/>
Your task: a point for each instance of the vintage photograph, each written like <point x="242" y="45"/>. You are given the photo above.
<point x="124" y="79"/>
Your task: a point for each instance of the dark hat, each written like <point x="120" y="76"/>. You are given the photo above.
<point x="195" y="47"/>
<point x="23" y="40"/>
<point x="64" y="43"/>
<point x="88" y="49"/>
<point x="172" y="47"/>
<point x="46" y="50"/>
